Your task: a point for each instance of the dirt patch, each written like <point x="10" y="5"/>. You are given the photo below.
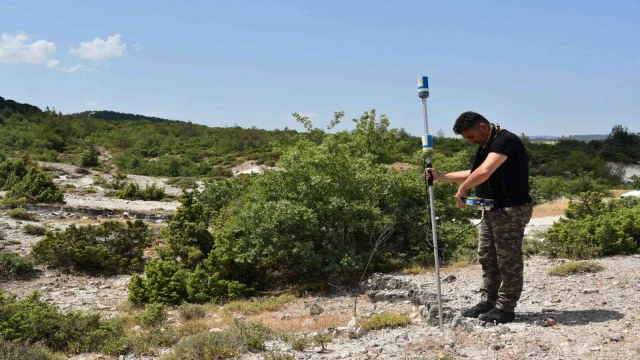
<point x="401" y="166"/>
<point x="553" y="208"/>
<point x="617" y="192"/>
<point x="247" y="165"/>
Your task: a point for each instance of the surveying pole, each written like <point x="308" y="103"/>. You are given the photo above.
<point x="427" y="151"/>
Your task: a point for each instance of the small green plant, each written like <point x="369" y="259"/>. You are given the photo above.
<point x="34" y="230"/>
<point x="192" y="311"/>
<point x="299" y="342"/>
<point x="575" y="267"/>
<point x="22" y="214"/>
<point x="387" y="320"/>
<point x="12" y="264"/>
<point x="154" y="315"/>
<point x="322" y="339"/>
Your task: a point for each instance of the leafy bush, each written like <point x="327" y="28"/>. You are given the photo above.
<point x="594" y="228"/>
<point x="35" y="186"/>
<point x="133" y="191"/>
<point x="323" y="217"/>
<point x="164" y="282"/>
<point x="34" y="230"/>
<point x="90" y="156"/>
<point x="12" y="264"/>
<point x="22" y="214"/>
<point x="111" y="247"/>
<point x="387" y="320"/>
<point x="154" y="315"/>
<point x="575" y="267"/>
<point x="22" y="350"/>
<point x="31" y="320"/>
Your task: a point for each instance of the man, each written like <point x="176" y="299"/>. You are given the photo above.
<point x="500" y="172"/>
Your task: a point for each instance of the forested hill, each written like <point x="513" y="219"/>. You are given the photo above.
<point x="25" y="109"/>
<point x="143" y="145"/>
<point x="113" y="115"/>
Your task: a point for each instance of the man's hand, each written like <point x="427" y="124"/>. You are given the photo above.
<point x="458" y="196"/>
<point x="429" y="172"/>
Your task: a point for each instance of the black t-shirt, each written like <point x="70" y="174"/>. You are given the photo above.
<point x="509" y="184"/>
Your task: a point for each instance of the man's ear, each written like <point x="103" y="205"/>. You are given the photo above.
<point x="482" y="127"/>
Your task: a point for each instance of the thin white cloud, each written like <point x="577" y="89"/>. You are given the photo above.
<point x="74" y="68"/>
<point x="100" y="50"/>
<point x="53" y="63"/>
<point x="137" y="46"/>
<point x="18" y="49"/>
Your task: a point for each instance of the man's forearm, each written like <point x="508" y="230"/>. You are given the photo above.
<point x="457" y="177"/>
<point x="476" y="178"/>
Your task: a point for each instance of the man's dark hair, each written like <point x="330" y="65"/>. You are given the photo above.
<point x="468" y="120"/>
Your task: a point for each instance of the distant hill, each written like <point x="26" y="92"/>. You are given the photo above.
<point x="24" y="109"/>
<point x="586" y="138"/>
<point x="114" y="115"/>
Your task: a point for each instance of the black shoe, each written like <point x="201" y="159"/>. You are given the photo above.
<point x="497" y="316"/>
<point x="477" y="310"/>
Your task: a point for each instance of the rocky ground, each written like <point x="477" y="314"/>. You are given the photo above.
<point x="590" y="316"/>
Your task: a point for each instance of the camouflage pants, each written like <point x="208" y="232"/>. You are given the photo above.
<point x="500" y="253"/>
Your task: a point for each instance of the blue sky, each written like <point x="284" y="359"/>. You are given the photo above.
<point x="538" y="67"/>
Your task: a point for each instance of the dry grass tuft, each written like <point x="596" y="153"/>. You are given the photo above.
<point x="552" y="208"/>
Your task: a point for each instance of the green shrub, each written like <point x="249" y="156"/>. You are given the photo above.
<point x="10" y="350"/>
<point x="298" y="342"/>
<point x="192" y="311"/>
<point x="531" y="246"/>
<point x="31" y="320"/>
<point x="111" y="247"/>
<point x="34" y="230"/>
<point x="154" y="315"/>
<point x="12" y="264"/>
<point x="575" y="267"/>
<point x="133" y="191"/>
<point x="35" y="186"/>
<point x="90" y="157"/>
<point x="594" y="228"/>
<point x="22" y="214"/>
<point x="164" y="282"/>
<point x="387" y="320"/>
